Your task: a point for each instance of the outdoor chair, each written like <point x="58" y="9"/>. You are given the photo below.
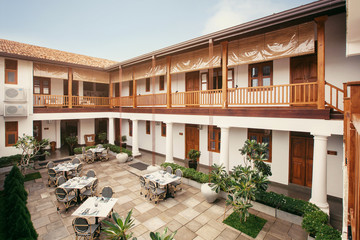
<point x="144" y="186"/>
<point x="50" y="164"/>
<point x="75" y="160"/>
<point x="84" y="230"/>
<point x="90" y="191"/>
<point x="99" y="146"/>
<point x="89" y="139"/>
<point x="107" y="192"/>
<point x="83" y="153"/>
<point x="64" y="197"/>
<point x="91" y="173"/>
<point x="61" y="180"/>
<point x="52" y="177"/>
<point x="169" y="169"/>
<point x="89" y="156"/>
<point x="104" y="156"/>
<point x="76" y="172"/>
<point x="176" y="186"/>
<point x="156" y="193"/>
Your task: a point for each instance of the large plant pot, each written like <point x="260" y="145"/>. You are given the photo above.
<point x="193" y="164"/>
<point x="209" y="194"/>
<point x="122" y="157"/>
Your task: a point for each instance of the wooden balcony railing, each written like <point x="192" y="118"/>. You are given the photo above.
<point x="151" y="99"/>
<point x="126" y="101"/>
<point x="85" y="101"/>
<point x="197" y="98"/>
<point x="41" y="100"/>
<point x="335" y="99"/>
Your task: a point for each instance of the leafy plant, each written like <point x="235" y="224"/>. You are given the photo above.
<point x="219" y="178"/>
<point x="123" y="138"/>
<point x="10" y="160"/>
<point x="312" y="221"/>
<point x="326" y="232"/>
<point x="120" y="228"/>
<point x="102" y="137"/>
<point x="194" y="154"/>
<point x="157" y="236"/>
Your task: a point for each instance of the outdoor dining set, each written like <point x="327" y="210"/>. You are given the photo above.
<point x="74" y="188"/>
<point x="99" y="153"/>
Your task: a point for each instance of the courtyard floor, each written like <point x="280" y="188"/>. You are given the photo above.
<point x="188" y="212"/>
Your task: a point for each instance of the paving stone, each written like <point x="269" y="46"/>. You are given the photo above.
<point x="41" y="222"/>
<point x="194" y="225"/>
<point x="208" y="232"/>
<point x="185" y="234"/>
<point x="229" y="234"/>
<point x="189" y="213"/>
<point x="154" y="223"/>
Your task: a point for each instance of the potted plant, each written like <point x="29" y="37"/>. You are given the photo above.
<point x="71" y="141"/>
<point x="219" y="180"/>
<point x="102" y="137"/>
<point x="123" y="141"/>
<point x="193" y="158"/>
<point x="120" y="228"/>
<point x="163" y="236"/>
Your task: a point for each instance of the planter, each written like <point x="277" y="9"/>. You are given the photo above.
<point x="209" y="194"/>
<point x="192" y="164"/>
<point x="122" y="157"/>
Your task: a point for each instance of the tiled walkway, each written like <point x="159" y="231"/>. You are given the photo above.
<point x="188" y="212"/>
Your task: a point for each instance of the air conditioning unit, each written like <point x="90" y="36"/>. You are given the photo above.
<point x="15" y="110"/>
<point x="15" y="94"/>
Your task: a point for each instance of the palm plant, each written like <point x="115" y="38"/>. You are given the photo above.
<point x="157" y="236"/>
<point x="119" y="230"/>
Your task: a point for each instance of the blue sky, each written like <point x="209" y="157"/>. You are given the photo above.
<point x="119" y="30"/>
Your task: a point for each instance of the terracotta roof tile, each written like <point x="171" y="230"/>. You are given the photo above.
<point x="32" y="51"/>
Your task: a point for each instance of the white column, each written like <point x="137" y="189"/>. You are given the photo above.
<point x="224" y="148"/>
<point x="135" y="139"/>
<point x="111" y="131"/>
<point x="169" y="143"/>
<point x="58" y="133"/>
<point x="319" y="178"/>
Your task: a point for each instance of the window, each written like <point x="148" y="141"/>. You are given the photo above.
<point x="148" y="84"/>
<point x="161" y="83"/>
<point x="147" y="127"/>
<point x="10" y="71"/>
<point x="131" y="88"/>
<point x="204" y="81"/>
<point x="163" y="129"/>
<point x="41" y="85"/>
<point x="260" y="74"/>
<point x="130" y="128"/>
<point x="230" y="80"/>
<point x="262" y="136"/>
<point x="217" y="79"/>
<point x="214" y="139"/>
<point x="11" y="133"/>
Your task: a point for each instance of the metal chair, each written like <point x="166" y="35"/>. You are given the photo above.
<point x="156" y="193"/>
<point x="77" y="171"/>
<point x="144" y="186"/>
<point x="169" y="169"/>
<point x="52" y="177"/>
<point x="177" y="184"/>
<point x="107" y="192"/>
<point x="91" y="191"/>
<point x="89" y="156"/>
<point x="61" y="180"/>
<point x="65" y="198"/>
<point x="75" y="160"/>
<point x="84" y="230"/>
<point x="104" y="156"/>
<point x="91" y="173"/>
<point x="50" y="164"/>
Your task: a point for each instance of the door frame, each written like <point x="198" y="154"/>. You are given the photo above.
<point x="191" y="126"/>
<point x="39" y="122"/>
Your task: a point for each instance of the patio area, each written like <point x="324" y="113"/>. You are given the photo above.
<point x="188" y="212"/>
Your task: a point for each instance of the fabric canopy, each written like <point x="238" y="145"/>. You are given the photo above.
<point x="146" y="70"/>
<point x="50" y="71"/>
<point x="88" y="75"/>
<point x="292" y="41"/>
<point x="114" y="76"/>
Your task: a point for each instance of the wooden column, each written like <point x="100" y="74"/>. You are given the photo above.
<point x="70" y="78"/>
<point x="110" y="92"/>
<point x="320" y="21"/>
<point x="134" y="89"/>
<point x="168" y="82"/>
<point x="224" y="49"/>
<point x="120" y="109"/>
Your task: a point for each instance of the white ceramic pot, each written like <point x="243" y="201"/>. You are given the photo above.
<point x="122" y="157"/>
<point x="209" y="194"/>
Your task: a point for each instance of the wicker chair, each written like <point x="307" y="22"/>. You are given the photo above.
<point x="107" y="192"/>
<point x="144" y="187"/>
<point x="104" y="156"/>
<point x="61" y="180"/>
<point x="75" y="160"/>
<point x="91" y="173"/>
<point x="91" y="191"/>
<point x="77" y="172"/>
<point x="84" y="230"/>
<point x="156" y="193"/>
<point x="169" y="169"/>
<point x="64" y="197"/>
<point x="89" y="156"/>
<point x="177" y="186"/>
<point x="50" y="164"/>
<point x="52" y="177"/>
<point x="89" y="139"/>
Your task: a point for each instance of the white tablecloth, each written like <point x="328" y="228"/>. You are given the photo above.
<point x="88" y="208"/>
<point x="162" y="177"/>
<point x="97" y="150"/>
<point x="65" y="167"/>
<point x="78" y="182"/>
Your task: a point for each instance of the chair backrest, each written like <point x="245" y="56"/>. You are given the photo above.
<point x="99" y="146"/>
<point x="50" y="164"/>
<point x="94" y="185"/>
<point x="169" y="169"/>
<point x="142" y="181"/>
<point x="178" y="173"/>
<point x="60" y="180"/>
<point x="107" y="150"/>
<point x="79" y="168"/>
<point x="75" y="160"/>
<point x="52" y="172"/>
<point x="81" y="225"/>
<point x="107" y="192"/>
<point x="91" y="173"/>
<point x="152" y="186"/>
<point x="60" y="193"/>
<point x="89" y="153"/>
<point x="83" y="150"/>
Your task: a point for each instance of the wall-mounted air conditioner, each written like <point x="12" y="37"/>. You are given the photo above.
<point x="15" y="110"/>
<point x="15" y="94"/>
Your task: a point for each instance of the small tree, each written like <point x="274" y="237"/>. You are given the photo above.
<point x="30" y="148"/>
<point x="120" y="228"/>
<point x="71" y="141"/>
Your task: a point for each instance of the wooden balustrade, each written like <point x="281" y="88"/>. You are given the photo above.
<point x="41" y="100"/>
<point x="86" y="101"/>
<point x="151" y="99"/>
<point x="196" y="98"/>
<point x="126" y="101"/>
<point x="334" y="101"/>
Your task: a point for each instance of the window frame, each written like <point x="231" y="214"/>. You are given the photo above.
<point x="232" y="78"/>
<point x="130" y="128"/>
<point x="217" y="139"/>
<point x="10" y="131"/>
<point x="147" y="85"/>
<point x="161" y="83"/>
<point x="148" y="127"/>
<point x="163" y="129"/>
<point x="260" y="73"/>
<point x="206" y="81"/>
<point x="260" y="133"/>
<point x="41" y="86"/>
<point x="7" y="70"/>
<point x="216" y="72"/>
<point x="131" y="87"/>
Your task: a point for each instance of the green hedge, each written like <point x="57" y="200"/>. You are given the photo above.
<point x="10" y="160"/>
<point x="112" y="148"/>
<point x="314" y="220"/>
<point x="15" y="215"/>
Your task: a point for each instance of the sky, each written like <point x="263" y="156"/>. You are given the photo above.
<point x="119" y="30"/>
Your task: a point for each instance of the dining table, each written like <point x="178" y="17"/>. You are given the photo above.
<point x="97" y="151"/>
<point x="95" y="207"/>
<point x="65" y="167"/>
<point x="163" y="179"/>
<point x="78" y="183"/>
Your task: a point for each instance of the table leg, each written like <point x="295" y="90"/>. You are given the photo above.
<point x="96" y="220"/>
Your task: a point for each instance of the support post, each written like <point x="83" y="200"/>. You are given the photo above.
<point x="110" y="93"/>
<point x="58" y="133"/>
<point x="70" y="78"/>
<point x="135" y="138"/>
<point x="224" y="50"/>
<point x="134" y="89"/>
<point x="111" y="131"/>
<point x="169" y="143"/>
<point x="320" y="21"/>
<point x="168" y="82"/>
<point x="224" y="148"/>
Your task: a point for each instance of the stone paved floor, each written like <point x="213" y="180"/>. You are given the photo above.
<point x="188" y="212"/>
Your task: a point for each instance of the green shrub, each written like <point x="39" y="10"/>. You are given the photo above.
<point x="326" y="232"/>
<point x="10" y="160"/>
<point x="312" y="221"/>
<point x="113" y="148"/>
<point x="189" y="173"/>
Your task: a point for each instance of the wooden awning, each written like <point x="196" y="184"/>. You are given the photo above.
<point x="88" y="75"/>
<point x="50" y="71"/>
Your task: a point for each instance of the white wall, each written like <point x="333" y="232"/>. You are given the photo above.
<point x="57" y="86"/>
<point x="49" y="130"/>
<point x="334" y="166"/>
<point x="280" y="157"/>
<point x="86" y="126"/>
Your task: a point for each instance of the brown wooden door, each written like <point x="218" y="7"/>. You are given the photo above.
<point x="192" y="80"/>
<point x="301" y="160"/>
<point x="303" y="70"/>
<point x="37" y="130"/>
<point x="191" y="138"/>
